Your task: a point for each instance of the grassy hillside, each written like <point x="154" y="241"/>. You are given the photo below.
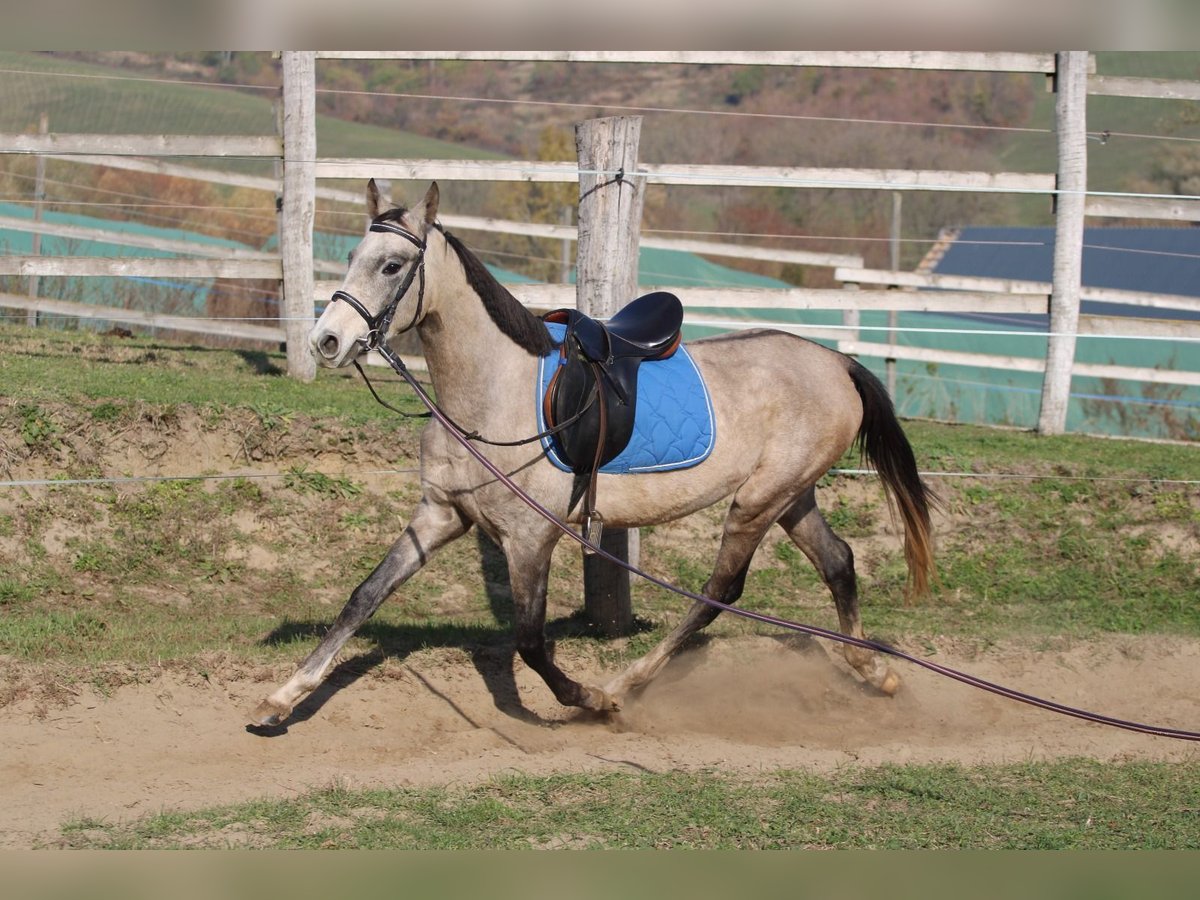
<point x="84" y="97"/>
<point x="1126" y="161"/>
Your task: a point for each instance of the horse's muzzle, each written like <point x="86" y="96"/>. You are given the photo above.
<point x="329" y="348"/>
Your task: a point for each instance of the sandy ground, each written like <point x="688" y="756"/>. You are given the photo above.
<point x="742" y="705"/>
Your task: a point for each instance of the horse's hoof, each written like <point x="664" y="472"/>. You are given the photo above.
<point x="601" y="701"/>
<point x="268" y="715"/>
<point x="890" y="684"/>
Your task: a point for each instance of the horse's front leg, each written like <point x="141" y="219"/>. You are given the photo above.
<point x="529" y="573"/>
<point x="432" y="527"/>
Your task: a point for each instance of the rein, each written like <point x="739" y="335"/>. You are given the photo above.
<point x="591" y="547"/>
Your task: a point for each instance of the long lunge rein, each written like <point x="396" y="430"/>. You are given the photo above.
<point x="813" y="630"/>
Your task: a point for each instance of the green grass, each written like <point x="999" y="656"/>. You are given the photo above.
<point x="1075" y="804"/>
<point x="73" y="366"/>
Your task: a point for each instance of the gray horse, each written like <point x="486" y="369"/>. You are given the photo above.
<point x="786" y="409"/>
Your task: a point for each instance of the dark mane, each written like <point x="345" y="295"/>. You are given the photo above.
<point x="518" y="323"/>
<point x="513" y="319"/>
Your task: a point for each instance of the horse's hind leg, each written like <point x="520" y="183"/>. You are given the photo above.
<point x="745" y="527"/>
<point x="834" y="561"/>
<point x="432" y="527"/>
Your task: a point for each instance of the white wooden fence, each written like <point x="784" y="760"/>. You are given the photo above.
<point x="301" y="185"/>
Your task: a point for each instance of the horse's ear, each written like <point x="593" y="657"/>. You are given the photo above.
<point x="431" y="203"/>
<point x="373" y="200"/>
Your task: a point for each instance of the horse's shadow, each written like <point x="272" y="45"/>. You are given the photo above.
<point x="490" y="647"/>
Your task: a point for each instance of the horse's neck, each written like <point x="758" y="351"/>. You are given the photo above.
<point x="475" y="368"/>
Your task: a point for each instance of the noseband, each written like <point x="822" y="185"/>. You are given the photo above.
<point x="378" y="325"/>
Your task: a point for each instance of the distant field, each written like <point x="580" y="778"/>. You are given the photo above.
<point x="87" y="100"/>
<point x="1112" y="164"/>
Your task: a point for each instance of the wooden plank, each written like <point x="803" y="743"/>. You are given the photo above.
<point x="1125" y="326"/>
<point x="155" y="166"/>
<point x="1153" y="88"/>
<point x="836" y="298"/>
<point x="813" y="332"/>
<point x="848" y="178"/>
<point x="1137" y="373"/>
<point x="556" y="296"/>
<point x="1016" y="363"/>
<point x="139" y="267"/>
<point x="143" y="144"/>
<point x="746" y="251"/>
<point x="1140" y="298"/>
<point x="130" y="239"/>
<point x="950" y="282"/>
<point x="941" y="357"/>
<point x="1174" y="208"/>
<point x="973" y="283"/>
<point x="446" y="170"/>
<point x="225" y="328"/>
<point x="1178" y="209"/>
<point x="870" y="59"/>
<point x="706" y="248"/>
<point x="701" y="175"/>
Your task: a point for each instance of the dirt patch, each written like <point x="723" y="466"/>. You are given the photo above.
<point x="744" y="705"/>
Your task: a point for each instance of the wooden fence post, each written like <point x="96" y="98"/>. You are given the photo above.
<point x="893" y="317"/>
<point x="39" y="201"/>
<point x="1070" y="111"/>
<point x="299" y="207"/>
<point x="610" y="216"/>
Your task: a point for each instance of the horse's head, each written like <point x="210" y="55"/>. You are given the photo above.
<point x="384" y="289"/>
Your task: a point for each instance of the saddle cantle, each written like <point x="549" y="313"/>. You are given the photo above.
<point x="594" y="387"/>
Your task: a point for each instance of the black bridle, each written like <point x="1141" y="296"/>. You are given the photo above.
<point x="378" y="325"/>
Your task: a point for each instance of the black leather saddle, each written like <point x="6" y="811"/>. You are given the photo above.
<point x="596" y="380"/>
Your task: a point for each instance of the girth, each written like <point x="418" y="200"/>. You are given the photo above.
<point x="596" y="381"/>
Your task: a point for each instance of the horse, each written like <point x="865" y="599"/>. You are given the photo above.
<point x="785" y="408"/>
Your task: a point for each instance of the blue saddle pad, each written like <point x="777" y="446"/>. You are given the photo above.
<point x="673" y="426"/>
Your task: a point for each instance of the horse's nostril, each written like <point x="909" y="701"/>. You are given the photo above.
<point x="329" y="346"/>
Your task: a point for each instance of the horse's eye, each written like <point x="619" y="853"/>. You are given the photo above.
<point x="391" y="268"/>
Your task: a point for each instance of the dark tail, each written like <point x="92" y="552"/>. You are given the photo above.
<point x="882" y="444"/>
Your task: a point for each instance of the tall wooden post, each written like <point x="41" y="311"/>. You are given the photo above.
<point x="893" y="318"/>
<point x="1070" y="111"/>
<point x="39" y="201"/>
<point x="610" y="216"/>
<point x="299" y="207"/>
